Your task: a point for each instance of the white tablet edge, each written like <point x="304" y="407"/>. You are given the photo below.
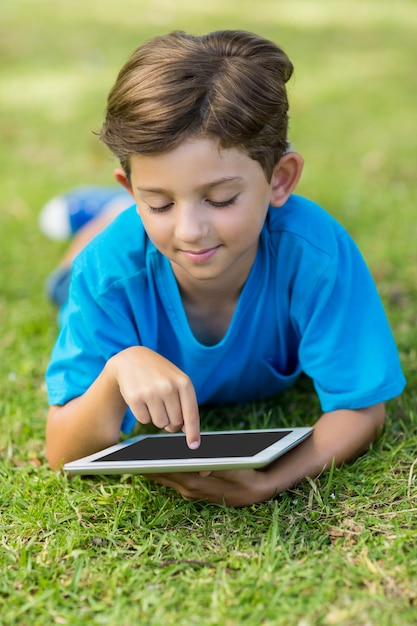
<point x="89" y="466"/>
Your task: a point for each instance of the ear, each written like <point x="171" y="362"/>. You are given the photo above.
<point x="120" y="176"/>
<point x="285" y="177"/>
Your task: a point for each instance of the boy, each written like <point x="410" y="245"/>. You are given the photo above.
<point x="221" y="285"/>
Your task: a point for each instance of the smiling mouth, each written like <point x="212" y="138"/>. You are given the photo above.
<point x="199" y="256"/>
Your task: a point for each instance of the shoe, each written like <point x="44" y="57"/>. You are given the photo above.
<point x="64" y="215"/>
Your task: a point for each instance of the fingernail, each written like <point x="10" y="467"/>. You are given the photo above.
<point x="194" y="445"/>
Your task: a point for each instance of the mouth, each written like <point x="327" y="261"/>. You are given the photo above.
<point x="199" y="256"/>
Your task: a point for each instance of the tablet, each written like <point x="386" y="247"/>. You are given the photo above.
<point x="222" y="450"/>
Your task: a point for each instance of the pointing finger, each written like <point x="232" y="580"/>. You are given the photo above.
<point x="190" y="415"/>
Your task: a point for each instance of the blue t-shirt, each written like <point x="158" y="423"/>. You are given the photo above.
<point x="309" y="305"/>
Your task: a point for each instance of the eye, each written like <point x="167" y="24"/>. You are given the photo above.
<point x="159" y="209"/>
<point x="225" y="203"/>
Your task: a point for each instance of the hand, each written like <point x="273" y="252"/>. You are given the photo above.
<point x="157" y="391"/>
<point x="338" y="437"/>
<point x="232" y="487"/>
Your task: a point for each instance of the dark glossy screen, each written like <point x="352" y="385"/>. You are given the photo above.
<point x="212" y="446"/>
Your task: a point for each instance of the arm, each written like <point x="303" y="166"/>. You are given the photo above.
<point x="338" y="436"/>
<point x="153" y="387"/>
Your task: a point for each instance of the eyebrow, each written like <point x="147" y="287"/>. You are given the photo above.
<point x="211" y="185"/>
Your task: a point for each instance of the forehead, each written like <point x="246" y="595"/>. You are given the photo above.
<point x="200" y="161"/>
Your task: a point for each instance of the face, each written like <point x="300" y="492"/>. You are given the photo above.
<point x="203" y="208"/>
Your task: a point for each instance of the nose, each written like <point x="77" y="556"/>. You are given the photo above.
<point x="191" y="224"/>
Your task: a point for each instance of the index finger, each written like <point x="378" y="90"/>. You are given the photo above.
<point x="191" y="416"/>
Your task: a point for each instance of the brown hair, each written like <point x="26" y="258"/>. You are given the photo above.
<point x="228" y="85"/>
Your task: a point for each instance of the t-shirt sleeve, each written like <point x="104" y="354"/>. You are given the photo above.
<point x="346" y="345"/>
<point x="92" y="331"/>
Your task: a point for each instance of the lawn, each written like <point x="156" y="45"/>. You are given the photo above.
<point x="105" y="551"/>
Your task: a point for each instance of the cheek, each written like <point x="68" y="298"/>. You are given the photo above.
<point x="154" y="228"/>
<point x="242" y="229"/>
<point x="250" y="219"/>
<point x="159" y="235"/>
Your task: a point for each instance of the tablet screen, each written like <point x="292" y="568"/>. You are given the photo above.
<point x="212" y="446"/>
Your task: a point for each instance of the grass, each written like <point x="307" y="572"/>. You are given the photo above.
<point x="337" y="550"/>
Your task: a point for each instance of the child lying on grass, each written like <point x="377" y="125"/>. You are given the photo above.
<point x="220" y="285"/>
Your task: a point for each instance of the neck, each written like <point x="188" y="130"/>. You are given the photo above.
<point x="209" y="291"/>
<point x="209" y="308"/>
